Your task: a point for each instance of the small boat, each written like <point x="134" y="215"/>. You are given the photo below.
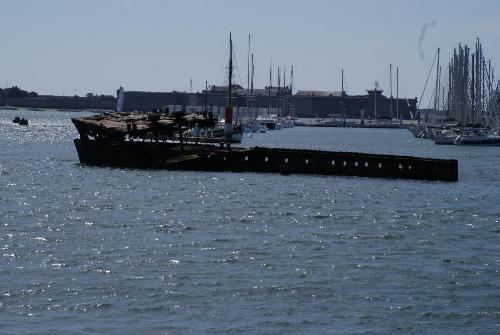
<point x="236" y="136"/>
<point x="270" y="122"/>
<point x="20" y="121"/>
<point x="444" y="137"/>
<point x="477" y="138"/>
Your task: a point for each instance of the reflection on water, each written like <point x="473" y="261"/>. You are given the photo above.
<point x="102" y="250"/>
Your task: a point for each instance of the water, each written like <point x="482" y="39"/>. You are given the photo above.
<point x="89" y="250"/>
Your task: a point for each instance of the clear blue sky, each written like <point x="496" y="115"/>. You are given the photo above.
<point x="58" y="46"/>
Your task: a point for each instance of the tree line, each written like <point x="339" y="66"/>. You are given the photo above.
<point x="16" y="92"/>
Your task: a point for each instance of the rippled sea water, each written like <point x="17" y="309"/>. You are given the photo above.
<point x="87" y="250"/>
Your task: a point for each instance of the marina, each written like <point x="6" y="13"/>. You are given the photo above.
<point x="469" y="102"/>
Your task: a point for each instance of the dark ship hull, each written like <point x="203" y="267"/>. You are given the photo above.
<point x="173" y="156"/>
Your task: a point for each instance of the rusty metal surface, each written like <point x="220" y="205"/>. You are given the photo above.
<point x="117" y="125"/>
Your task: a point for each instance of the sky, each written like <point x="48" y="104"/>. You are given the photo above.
<point x="75" y="46"/>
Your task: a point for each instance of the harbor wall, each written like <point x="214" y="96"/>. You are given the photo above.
<point x="65" y="102"/>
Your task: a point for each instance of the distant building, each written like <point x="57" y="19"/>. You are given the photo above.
<point x="304" y="103"/>
<point x="373" y="105"/>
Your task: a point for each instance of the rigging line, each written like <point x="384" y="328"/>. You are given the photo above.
<point x="430" y="100"/>
<point x="428" y="76"/>
<point x="346" y="86"/>
<point x="236" y="69"/>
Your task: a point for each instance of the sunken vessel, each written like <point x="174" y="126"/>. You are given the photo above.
<point x="156" y="141"/>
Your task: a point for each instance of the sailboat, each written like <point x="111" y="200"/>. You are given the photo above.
<point x="444" y="136"/>
<point x="269" y="122"/>
<point x="252" y="126"/>
<point x="477" y="137"/>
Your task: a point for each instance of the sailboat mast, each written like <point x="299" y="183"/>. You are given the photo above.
<point x="442" y="97"/>
<point x="228" y="113"/>
<point x="269" y="89"/>
<point x="206" y="97"/>
<point x="390" y="81"/>
<point x="248" y="63"/>
<point x="342" y="84"/>
<point x="230" y="103"/>
<point x="478" y="82"/>
<point x="342" y="98"/>
<point x="397" y="92"/>
<point x="248" y="76"/>
<point x="291" y="92"/>
<point x="284" y="92"/>
<point x="437" y="90"/>
<point x="278" y="93"/>
<point x="251" y="81"/>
